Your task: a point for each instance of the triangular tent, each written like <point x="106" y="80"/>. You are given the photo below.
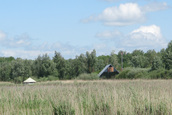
<point x="29" y="80"/>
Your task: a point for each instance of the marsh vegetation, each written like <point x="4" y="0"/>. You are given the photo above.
<point x="99" y="97"/>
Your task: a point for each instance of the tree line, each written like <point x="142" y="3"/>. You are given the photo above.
<point x="57" y="67"/>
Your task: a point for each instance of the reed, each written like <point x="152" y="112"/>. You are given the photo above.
<point x="101" y="97"/>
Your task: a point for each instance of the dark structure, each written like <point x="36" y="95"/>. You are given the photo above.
<point x="108" y="71"/>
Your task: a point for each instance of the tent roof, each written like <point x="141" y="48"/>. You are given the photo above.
<point x="106" y="69"/>
<point x="29" y="80"/>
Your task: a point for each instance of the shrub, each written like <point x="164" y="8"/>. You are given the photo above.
<point x="133" y="73"/>
<point x="84" y="76"/>
<point x="18" y="79"/>
<point x="160" y="74"/>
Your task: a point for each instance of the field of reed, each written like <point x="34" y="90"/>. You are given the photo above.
<point x="100" y="97"/>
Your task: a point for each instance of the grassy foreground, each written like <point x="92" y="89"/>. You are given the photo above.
<point x="109" y="97"/>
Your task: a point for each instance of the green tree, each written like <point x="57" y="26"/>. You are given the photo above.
<point x="137" y="53"/>
<point x="113" y="59"/>
<point x="150" y="54"/>
<point x="104" y="58"/>
<point x="60" y="65"/>
<point x="157" y="63"/>
<point x="126" y="58"/>
<point x="21" y="68"/>
<point x="168" y="56"/>
<point x="44" y="66"/>
<point x="139" y="61"/>
<point x="91" y="61"/>
<point x="80" y="63"/>
<point x="5" y="71"/>
<point x="99" y="65"/>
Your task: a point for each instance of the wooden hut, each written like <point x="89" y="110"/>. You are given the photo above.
<point x="108" y="71"/>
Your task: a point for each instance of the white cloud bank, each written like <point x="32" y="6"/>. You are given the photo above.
<point x="126" y="14"/>
<point x="145" y="37"/>
<point x="22" y="46"/>
<point x="109" y="35"/>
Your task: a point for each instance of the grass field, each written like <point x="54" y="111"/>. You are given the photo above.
<point x="102" y="97"/>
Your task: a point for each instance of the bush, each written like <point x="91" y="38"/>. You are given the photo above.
<point x="18" y="80"/>
<point x="133" y="73"/>
<point x="49" y="78"/>
<point x="160" y="74"/>
<point x="85" y="76"/>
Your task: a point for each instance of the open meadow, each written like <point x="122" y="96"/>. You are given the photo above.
<point x="75" y="97"/>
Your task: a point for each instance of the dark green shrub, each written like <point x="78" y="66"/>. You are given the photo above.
<point x="123" y="74"/>
<point x="92" y="76"/>
<point x="64" y="108"/>
<point x="18" y="79"/>
<point x="133" y="73"/>
<point x="159" y="74"/>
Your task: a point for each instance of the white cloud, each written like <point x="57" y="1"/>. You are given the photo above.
<point x="145" y="38"/>
<point x="2" y="36"/>
<point x="126" y="14"/>
<point x="21" y="46"/>
<point x="25" y="54"/>
<point x="155" y="6"/>
<point x="14" y="42"/>
<point x="152" y="32"/>
<point x="109" y="34"/>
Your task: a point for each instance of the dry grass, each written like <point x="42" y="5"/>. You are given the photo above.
<point x="102" y="97"/>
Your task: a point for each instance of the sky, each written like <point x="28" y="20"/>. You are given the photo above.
<point x="29" y="28"/>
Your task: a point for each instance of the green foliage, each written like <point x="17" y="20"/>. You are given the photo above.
<point x="60" y="65"/>
<point x="113" y="59"/>
<point x="102" y="97"/>
<point x="85" y="76"/>
<point x="144" y="73"/>
<point x="139" y="61"/>
<point x="168" y="57"/>
<point x="160" y="74"/>
<point x="42" y="67"/>
<point x="80" y="65"/>
<point x="91" y="61"/>
<point x="133" y="73"/>
<point x="48" y="78"/>
<point x="5" y="71"/>
<point x="150" y="54"/>
<point x="157" y="63"/>
<point x="18" y="80"/>
<point x="64" y="108"/>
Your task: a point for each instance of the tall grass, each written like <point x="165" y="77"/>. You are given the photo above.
<point x="103" y="97"/>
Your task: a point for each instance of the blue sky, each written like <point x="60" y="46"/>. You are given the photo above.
<point x="29" y="28"/>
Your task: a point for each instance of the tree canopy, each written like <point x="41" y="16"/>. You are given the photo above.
<point x="43" y="66"/>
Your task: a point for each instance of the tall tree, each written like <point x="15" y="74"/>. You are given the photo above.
<point x="44" y="66"/>
<point x="60" y="65"/>
<point x="5" y="71"/>
<point x="126" y="58"/>
<point x="168" y="56"/>
<point x="157" y="63"/>
<point x="150" y="54"/>
<point x="80" y="64"/>
<point x="91" y="61"/>
<point x="138" y="59"/>
<point x="113" y="59"/>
